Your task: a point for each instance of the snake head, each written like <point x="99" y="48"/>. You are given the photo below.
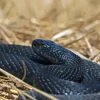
<point x="53" y="52"/>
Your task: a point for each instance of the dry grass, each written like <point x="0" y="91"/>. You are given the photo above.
<point x="75" y="24"/>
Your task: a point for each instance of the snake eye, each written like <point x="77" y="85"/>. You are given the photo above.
<point x="36" y="44"/>
<point x="42" y="44"/>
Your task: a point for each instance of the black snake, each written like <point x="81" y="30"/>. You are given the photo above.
<point x="51" y="68"/>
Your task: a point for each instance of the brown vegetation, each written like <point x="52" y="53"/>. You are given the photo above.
<point x="75" y="24"/>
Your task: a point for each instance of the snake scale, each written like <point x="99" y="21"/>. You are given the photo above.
<point x="53" y="69"/>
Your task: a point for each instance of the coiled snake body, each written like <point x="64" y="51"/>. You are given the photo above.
<point x="51" y="68"/>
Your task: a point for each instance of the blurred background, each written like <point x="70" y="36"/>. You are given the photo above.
<point x="75" y="24"/>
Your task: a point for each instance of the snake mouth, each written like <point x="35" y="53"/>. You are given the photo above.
<point x="37" y="52"/>
<point x="36" y="46"/>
